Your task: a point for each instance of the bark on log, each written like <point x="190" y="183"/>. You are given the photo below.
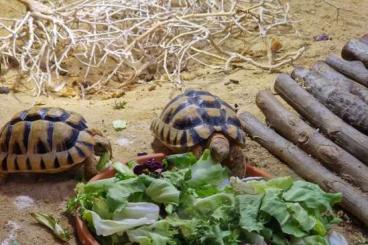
<point x="354" y="201"/>
<point x="341" y="80"/>
<point x="353" y="69"/>
<point x="290" y="126"/>
<point x="338" y="99"/>
<point x="356" y="50"/>
<point x="340" y="132"/>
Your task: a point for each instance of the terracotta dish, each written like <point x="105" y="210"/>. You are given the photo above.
<point x="86" y="238"/>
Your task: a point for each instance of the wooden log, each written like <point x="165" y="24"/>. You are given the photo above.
<point x="353" y="69"/>
<point x="354" y="201"/>
<point x="331" y="125"/>
<point x="341" y="80"/>
<point x="355" y="50"/>
<point x="338" y="99"/>
<point x="290" y="126"/>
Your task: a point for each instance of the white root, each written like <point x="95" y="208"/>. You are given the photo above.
<point x="136" y="35"/>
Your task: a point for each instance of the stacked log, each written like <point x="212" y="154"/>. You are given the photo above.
<point x="331" y="149"/>
<point x="326" y="71"/>
<point x="350" y="107"/>
<point x="354" y="200"/>
<point x="311" y="141"/>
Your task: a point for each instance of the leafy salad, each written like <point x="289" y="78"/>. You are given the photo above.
<point x="190" y="201"/>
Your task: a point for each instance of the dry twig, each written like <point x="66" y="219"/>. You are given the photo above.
<point x="129" y="39"/>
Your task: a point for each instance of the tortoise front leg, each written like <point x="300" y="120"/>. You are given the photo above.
<point x="236" y="161"/>
<point x="197" y="151"/>
<point x="90" y="169"/>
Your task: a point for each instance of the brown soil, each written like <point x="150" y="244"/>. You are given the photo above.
<point x="147" y="100"/>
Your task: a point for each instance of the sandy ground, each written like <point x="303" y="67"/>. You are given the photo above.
<point x="50" y="193"/>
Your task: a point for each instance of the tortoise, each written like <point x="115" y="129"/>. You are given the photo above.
<point x="198" y="119"/>
<point x="49" y="140"/>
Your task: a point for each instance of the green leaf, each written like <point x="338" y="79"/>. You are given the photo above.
<point x="207" y="205"/>
<point x="177" y="177"/>
<point x="275" y="206"/>
<point x="311" y="196"/>
<point x="180" y="161"/>
<point x="137" y="214"/>
<point x="260" y="186"/>
<point x="199" y="206"/>
<point x="298" y="213"/>
<point x="103" y="161"/>
<point x="249" y="206"/>
<point x="53" y="224"/>
<point x="117" y="197"/>
<point x="162" y="191"/>
<point x="101" y="206"/>
<point x="123" y="171"/>
<point x="119" y="124"/>
<point x="293" y="228"/>
<point x="207" y="171"/>
<point x="312" y="240"/>
<point x="159" y="233"/>
<point x="319" y="228"/>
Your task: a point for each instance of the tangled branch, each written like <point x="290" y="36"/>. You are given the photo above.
<point x="128" y="39"/>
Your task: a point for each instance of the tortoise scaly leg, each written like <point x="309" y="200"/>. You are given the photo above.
<point x="236" y="161"/>
<point x="90" y="167"/>
<point x="197" y="151"/>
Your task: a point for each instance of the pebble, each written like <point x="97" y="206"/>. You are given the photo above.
<point x="122" y="141"/>
<point x="12" y="227"/>
<point x="23" y="202"/>
<point x="4" y="90"/>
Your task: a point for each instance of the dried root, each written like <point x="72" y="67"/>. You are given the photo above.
<point x="129" y="40"/>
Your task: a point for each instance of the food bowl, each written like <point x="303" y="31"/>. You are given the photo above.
<point x="85" y="236"/>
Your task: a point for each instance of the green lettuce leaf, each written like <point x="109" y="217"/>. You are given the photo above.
<point x="301" y="216"/>
<point x="162" y="191"/>
<point x="181" y="161"/>
<point x="124" y="172"/>
<point x="130" y="219"/>
<point x="159" y="233"/>
<point x="135" y="210"/>
<point x="311" y="196"/>
<point x="207" y="171"/>
<point x="53" y="224"/>
<point x="207" y="205"/>
<point x="249" y="207"/>
<point x="275" y="206"/>
<point x="197" y="203"/>
<point x="311" y="240"/>
<point x="260" y="186"/>
<point x="177" y="177"/>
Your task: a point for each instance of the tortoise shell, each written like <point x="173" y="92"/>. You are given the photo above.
<point x="191" y="118"/>
<point x="44" y="140"/>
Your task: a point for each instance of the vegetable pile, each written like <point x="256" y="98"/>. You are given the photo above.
<point x="192" y="201"/>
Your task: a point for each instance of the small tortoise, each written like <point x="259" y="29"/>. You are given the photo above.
<point x="49" y="140"/>
<point x="196" y="120"/>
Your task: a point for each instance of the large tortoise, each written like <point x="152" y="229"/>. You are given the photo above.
<point x="196" y="120"/>
<point x="49" y="140"/>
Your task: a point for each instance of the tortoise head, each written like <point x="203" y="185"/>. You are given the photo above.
<point x="102" y="144"/>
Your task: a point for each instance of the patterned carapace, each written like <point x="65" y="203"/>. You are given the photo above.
<point x="191" y="118"/>
<point x="45" y="140"/>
